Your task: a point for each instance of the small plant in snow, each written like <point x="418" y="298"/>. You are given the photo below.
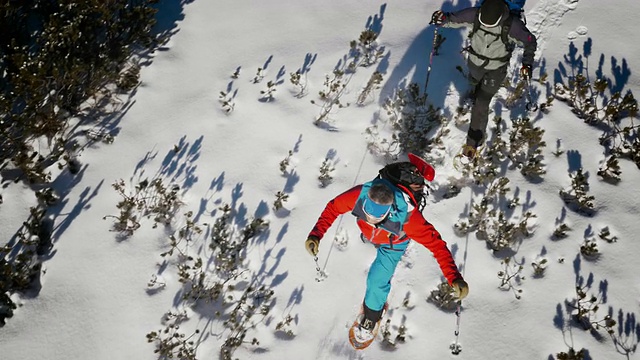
<point x="589" y="249"/>
<point x="372" y="84"/>
<point x="299" y="82"/>
<point x="577" y="195"/>
<point x="281" y="198"/>
<point x="461" y="116"/>
<point x="605" y="235"/>
<point x="571" y="355"/>
<point x="32" y="165"/>
<point x="539" y="267"/>
<point x="47" y="197"/>
<point x="365" y="52"/>
<point x="443" y="297"/>
<point x="590" y="103"/>
<point x="171" y="342"/>
<point x="285" y="326"/>
<point x="626" y="342"/>
<point x="97" y="135"/>
<point x="129" y="77"/>
<point x="227" y="101"/>
<point x="156" y="283"/>
<point x="259" y="76"/>
<point x="20" y="266"/>
<point x="526" y="147"/>
<point x="510" y="276"/>
<point x="267" y="94"/>
<point x="326" y="172"/>
<point x="610" y="170"/>
<point x="252" y="302"/>
<point x="222" y="281"/>
<point x="416" y="128"/>
<point x="558" y="151"/>
<point x="180" y="240"/>
<point x="150" y="198"/>
<point x="334" y="88"/>
<point x="584" y="308"/>
<point x="236" y="73"/>
<point x="491" y="223"/>
<point x="341" y="240"/>
<point x="516" y="93"/>
<point x="521" y="89"/>
<point x="561" y="231"/>
<point x="388" y="339"/>
<point x="284" y="164"/>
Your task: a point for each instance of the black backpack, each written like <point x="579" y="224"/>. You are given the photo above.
<point x="405" y="173"/>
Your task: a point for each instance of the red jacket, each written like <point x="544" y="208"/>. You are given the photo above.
<point x="416" y="228"/>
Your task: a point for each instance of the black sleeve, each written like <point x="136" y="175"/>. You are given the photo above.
<point x="519" y="34"/>
<point x="464" y="17"/>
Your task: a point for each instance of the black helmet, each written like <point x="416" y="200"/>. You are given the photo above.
<point x="491" y="12"/>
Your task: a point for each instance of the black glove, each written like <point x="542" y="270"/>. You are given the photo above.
<point x="525" y="72"/>
<point x="312" y="244"/>
<point x="438" y="18"/>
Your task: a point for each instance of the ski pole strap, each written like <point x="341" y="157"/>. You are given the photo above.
<point x="321" y="274"/>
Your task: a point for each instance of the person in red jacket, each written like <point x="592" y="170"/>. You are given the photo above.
<point x="388" y="217"/>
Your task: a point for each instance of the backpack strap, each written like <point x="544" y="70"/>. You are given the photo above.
<point x="476" y="24"/>
<point x="504" y="37"/>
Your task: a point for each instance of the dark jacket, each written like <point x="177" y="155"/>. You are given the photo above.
<point x="487" y="49"/>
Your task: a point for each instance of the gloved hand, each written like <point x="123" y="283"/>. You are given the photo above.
<point x="525" y="72"/>
<point x="460" y="288"/>
<point x="437" y="17"/>
<point x="313" y="245"/>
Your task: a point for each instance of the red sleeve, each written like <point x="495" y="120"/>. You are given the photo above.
<point x="339" y="205"/>
<point x="420" y="230"/>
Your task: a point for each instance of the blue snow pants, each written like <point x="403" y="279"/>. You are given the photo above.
<point x="380" y="273"/>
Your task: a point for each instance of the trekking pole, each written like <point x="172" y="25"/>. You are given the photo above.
<point x="531" y="106"/>
<point x="437" y="41"/>
<point x="456" y="348"/>
<point x="321" y="274"/>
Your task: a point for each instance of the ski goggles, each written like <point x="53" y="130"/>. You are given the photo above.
<point x="375" y="210"/>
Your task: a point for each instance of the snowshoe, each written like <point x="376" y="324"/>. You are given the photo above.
<point x="467" y="156"/>
<point x="363" y="333"/>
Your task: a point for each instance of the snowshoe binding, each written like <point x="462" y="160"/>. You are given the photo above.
<point x="467" y="156"/>
<point x="364" y="331"/>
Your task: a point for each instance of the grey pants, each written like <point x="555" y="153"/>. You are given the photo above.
<point x="486" y="84"/>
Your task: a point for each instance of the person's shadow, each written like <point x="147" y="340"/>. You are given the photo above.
<point x="413" y="65"/>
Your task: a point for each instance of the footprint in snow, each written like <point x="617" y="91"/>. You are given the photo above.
<point x="582" y="30"/>
<point x="571" y="4"/>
